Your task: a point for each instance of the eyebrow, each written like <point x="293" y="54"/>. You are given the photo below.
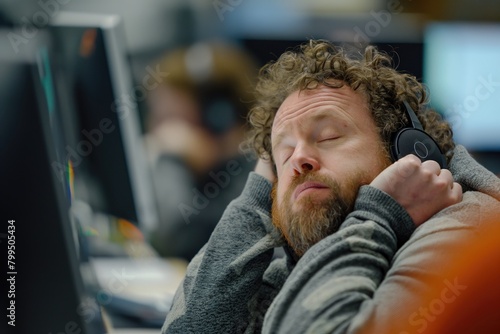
<point x="316" y="117"/>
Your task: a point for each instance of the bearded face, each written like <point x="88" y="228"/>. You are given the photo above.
<point x="310" y="218"/>
<point x="325" y="146"/>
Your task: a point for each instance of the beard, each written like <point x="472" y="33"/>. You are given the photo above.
<point x="314" y="219"/>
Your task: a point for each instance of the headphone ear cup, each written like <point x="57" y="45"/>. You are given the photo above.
<point x="419" y="143"/>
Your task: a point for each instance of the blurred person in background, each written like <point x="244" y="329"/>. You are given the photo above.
<point x="194" y="127"/>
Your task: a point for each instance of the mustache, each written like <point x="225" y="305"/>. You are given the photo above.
<point x="296" y="180"/>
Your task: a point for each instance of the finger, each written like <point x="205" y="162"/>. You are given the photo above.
<point x="447" y="176"/>
<point x="454" y="195"/>
<point x="432" y="166"/>
<point x="407" y="165"/>
<point x="456" y="192"/>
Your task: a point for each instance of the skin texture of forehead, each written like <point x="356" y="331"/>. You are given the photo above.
<point x="301" y="103"/>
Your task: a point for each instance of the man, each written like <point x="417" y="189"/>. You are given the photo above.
<point x="341" y="209"/>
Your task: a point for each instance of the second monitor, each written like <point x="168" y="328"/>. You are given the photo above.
<point x="103" y="124"/>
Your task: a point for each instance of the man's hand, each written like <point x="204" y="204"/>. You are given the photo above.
<point x="423" y="189"/>
<point x="265" y="169"/>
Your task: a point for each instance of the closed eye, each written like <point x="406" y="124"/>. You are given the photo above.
<point x="287" y="157"/>
<point x="328" y="139"/>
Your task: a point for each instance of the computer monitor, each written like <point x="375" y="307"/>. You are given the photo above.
<point x="107" y="150"/>
<point x="45" y="291"/>
<point x="462" y="73"/>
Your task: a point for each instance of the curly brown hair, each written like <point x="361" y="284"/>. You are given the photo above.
<point x="317" y="63"/>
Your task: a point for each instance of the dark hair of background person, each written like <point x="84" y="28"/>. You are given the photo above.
<point x="207" y="71"/>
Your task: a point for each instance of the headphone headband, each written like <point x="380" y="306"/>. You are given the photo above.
<point x="415" y="123"/>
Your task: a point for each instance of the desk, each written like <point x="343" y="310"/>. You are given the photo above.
<point x="137" y="288"/>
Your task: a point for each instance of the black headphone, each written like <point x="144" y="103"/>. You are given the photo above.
<point x="415" y="141"/>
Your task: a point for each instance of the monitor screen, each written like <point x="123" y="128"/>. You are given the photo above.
<point x="462" y="73"/>
<point x="45" y="283"/>
<point x="105" y="140"/>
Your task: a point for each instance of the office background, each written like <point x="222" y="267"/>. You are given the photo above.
<point x="452" y="46"/>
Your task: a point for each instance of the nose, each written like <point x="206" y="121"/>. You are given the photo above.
<point x="304" y="160"/>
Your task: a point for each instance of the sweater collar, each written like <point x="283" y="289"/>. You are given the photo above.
<point x="473" y="176"/>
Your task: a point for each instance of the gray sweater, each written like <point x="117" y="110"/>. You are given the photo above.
<point x="354" y="278"/>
